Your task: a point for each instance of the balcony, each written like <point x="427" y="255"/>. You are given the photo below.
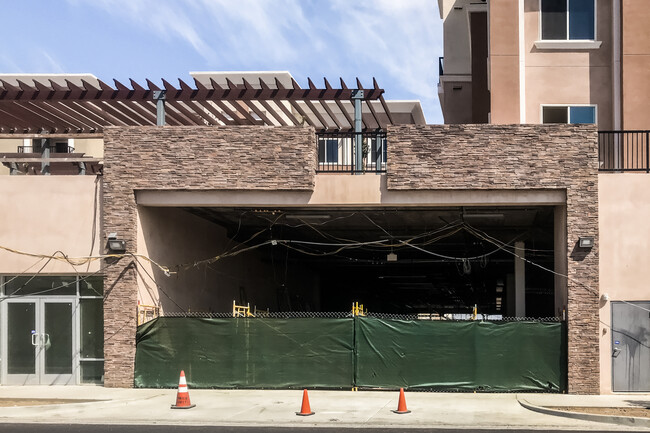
<point x="624" y="151"/>
<point x="54" y="159"/>
<point x="337" y="152"/>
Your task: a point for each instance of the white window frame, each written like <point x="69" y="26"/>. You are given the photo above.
<point x="569" y="44"/>
<point x="567" y="106"/>
<point x="326" y="161"/>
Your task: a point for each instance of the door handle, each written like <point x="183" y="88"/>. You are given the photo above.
<point x="34" y="336"/>
<point x="46" y="341"/>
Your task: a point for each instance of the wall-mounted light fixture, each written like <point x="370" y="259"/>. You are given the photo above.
<point x="586" y="241"/>
<point x="114" y="244"/>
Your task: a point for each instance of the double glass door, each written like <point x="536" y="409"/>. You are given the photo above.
<point x="39" y="340"/>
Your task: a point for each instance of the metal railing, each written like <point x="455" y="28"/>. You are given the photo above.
<point x="337" y="152"/>
<point x="53" y="149"/>
<point x="624" y="151"/>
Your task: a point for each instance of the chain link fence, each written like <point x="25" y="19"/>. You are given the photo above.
<point x="344" y="314"/>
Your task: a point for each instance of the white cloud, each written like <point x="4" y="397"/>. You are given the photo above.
<point x="398" y="39"/>
<point x="54" y="65"/>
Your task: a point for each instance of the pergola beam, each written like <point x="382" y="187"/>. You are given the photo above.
<point x="70" y="107"/>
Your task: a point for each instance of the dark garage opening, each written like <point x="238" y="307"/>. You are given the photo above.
<point x="438" y="261"/>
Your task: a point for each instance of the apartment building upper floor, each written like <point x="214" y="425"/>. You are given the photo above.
<point x="546" y="61"/>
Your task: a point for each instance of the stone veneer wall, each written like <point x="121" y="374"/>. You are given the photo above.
<point x="520" y="157"/>
<point x="182" y="158"/>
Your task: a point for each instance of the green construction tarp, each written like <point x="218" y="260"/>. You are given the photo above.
<point x="362" y="351"/>
<point x="245" y="353"/>
<point x="489" y="356"/>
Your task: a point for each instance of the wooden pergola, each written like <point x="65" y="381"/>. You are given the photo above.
<point x="50" y="107"/>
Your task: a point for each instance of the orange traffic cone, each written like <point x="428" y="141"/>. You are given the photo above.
<point x="401" y="406"/>
<point x="305" y="410"/>
<point x="183" y="397"/>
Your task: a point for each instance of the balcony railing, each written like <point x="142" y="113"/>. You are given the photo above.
<point x="624" y="151"/>
<point x="337" y="153"/>
<point x="57" y="148"/>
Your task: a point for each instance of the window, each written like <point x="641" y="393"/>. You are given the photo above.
<point x="328" y="150"/>
<point x="568" y="19"/>
<point x="569" y="114"/>
<point x="378" y="151"/>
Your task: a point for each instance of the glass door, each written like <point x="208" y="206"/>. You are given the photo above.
<point x="22" y="343"/>
<point x="57" y="341"/>
<point x="40" y="336"/>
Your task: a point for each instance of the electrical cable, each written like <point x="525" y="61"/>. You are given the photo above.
<point x="157" y="285"/>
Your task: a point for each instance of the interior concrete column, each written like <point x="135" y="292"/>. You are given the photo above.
<point x="560" y="260"/>
<point x="520" y="280"/>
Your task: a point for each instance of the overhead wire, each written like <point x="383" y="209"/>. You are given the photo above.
<point x="454" y="228"/>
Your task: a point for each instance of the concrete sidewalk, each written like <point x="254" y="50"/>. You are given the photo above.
<point x="369" y="409"/>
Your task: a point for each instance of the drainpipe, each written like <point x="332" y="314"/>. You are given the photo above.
<point x="159" y="97"/>
<point x="357" y="97"/>
<point x="616" y="79"/>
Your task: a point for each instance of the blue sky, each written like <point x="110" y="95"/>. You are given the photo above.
<point x="396" y="41"/>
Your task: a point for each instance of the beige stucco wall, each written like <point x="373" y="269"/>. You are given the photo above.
<point x="458" y="57"/>
<point x="90" y="146"/>
<point x="353" y="190"/>
<point x="636" y="64"/>
<point x="504" y="62"/>
<point x="45" y="214"/>
<point x="456" y="100"/>
<point x="624" y="215"/>
<point x="561" y="76"/>
<point x="456" y="82"/>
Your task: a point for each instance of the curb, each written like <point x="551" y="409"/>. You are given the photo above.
<point x="628" y="421"/>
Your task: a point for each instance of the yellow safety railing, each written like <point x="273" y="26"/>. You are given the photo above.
<point x="357" y="309"/>
<point x="241" y="311"/>
<point x="147" y="313"/>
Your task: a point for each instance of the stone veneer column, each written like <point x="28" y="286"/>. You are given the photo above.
<point x="583" y="289"/>
<point x="120" y="285"/>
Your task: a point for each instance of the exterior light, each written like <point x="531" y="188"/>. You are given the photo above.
<point x="586" y="241"/>
<point x="115" y="245"/>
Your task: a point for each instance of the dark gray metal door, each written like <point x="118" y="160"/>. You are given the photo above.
<point x="631" y="346"/>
